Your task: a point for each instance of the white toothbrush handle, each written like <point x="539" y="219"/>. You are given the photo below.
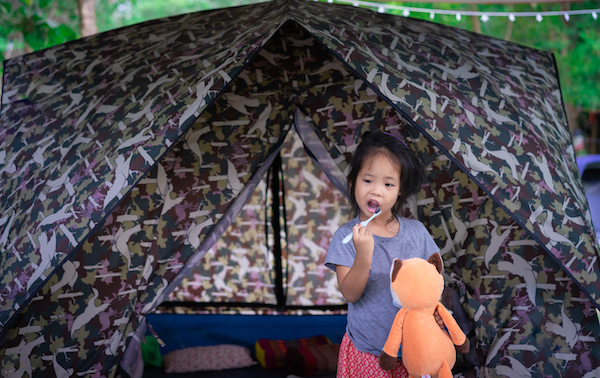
<point x="347" y="238"/>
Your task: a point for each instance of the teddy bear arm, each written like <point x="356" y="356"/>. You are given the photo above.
<point x="387" y="362"/>
<point x="456" y="334"/>
<point x="394" y="340"/>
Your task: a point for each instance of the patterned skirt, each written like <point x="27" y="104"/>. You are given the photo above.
<point x="355" y="364"/>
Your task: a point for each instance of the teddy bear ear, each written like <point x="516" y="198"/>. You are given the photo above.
<point x="436" y="260"/>
<point x="396" y="268"/>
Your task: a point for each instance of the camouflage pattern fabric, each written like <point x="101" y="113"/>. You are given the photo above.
<point x="114" y="186"/>
<point x="142" y="89"/>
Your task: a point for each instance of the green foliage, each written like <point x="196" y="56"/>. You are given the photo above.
<point x="111" y="15"/>
<point x="36" y="24"/>
<point x="30" y="25"/>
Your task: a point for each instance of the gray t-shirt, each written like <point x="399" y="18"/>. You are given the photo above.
<point x="370" y="318"/>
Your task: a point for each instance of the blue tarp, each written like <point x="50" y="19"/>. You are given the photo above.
<point x="589" y="169"/>
<point x="587" y="162"/>
<point x="188" y="330"/>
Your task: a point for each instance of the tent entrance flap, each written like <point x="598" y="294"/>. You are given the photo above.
<point x="244" y="272"/>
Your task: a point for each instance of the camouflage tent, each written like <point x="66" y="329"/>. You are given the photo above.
<point x="126" y="155"/>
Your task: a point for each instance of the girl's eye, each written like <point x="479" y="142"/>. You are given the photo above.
<point x="390" y="185"/>
<point x="367" y="181"/>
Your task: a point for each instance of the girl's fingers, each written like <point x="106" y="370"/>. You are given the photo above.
<point x="360" y="230"/>
<point x="355" y="229"/>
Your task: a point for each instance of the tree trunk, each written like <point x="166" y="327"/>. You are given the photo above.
<point x="87" y="17"/>
<point x="508" y="32"/>
<point x="475" y="20"/>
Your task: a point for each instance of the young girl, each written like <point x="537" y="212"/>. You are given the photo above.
<point x="385" y="172"/>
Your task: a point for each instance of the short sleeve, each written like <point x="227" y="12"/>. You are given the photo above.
<point x="338" y="252"/>
<point x="429" y="246"/>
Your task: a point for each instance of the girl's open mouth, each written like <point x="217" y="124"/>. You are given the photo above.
<point x="372" y="206"/>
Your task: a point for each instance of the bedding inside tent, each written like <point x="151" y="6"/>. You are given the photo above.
<point x="127" y="189"/>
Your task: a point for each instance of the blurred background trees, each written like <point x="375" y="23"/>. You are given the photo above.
<point x="30" y="25"/>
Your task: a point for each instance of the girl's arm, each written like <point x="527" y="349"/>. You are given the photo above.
<point x="352" y="281"/>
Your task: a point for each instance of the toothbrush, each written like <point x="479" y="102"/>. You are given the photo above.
<point x="364" y="224"/>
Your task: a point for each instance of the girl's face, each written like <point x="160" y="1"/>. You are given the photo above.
<point x="377" y="185"/>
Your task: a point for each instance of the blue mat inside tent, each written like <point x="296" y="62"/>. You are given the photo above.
<point x="184" y="330"/>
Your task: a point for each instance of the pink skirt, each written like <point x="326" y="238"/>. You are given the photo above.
<point x="355" y="364"/>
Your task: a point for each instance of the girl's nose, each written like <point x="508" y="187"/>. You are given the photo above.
<point x="376" y="190"/>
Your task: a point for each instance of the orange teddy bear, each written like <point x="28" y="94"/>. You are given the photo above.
<point x="426" y="349"/>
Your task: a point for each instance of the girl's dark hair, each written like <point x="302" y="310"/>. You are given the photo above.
<point x="412" y="171"/>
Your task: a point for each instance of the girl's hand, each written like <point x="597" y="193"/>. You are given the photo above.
<point x="465" y="347"/>
<point x="439" y="320"/>
<point x="363" y="242"/>
<point x="352" y="280"/>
